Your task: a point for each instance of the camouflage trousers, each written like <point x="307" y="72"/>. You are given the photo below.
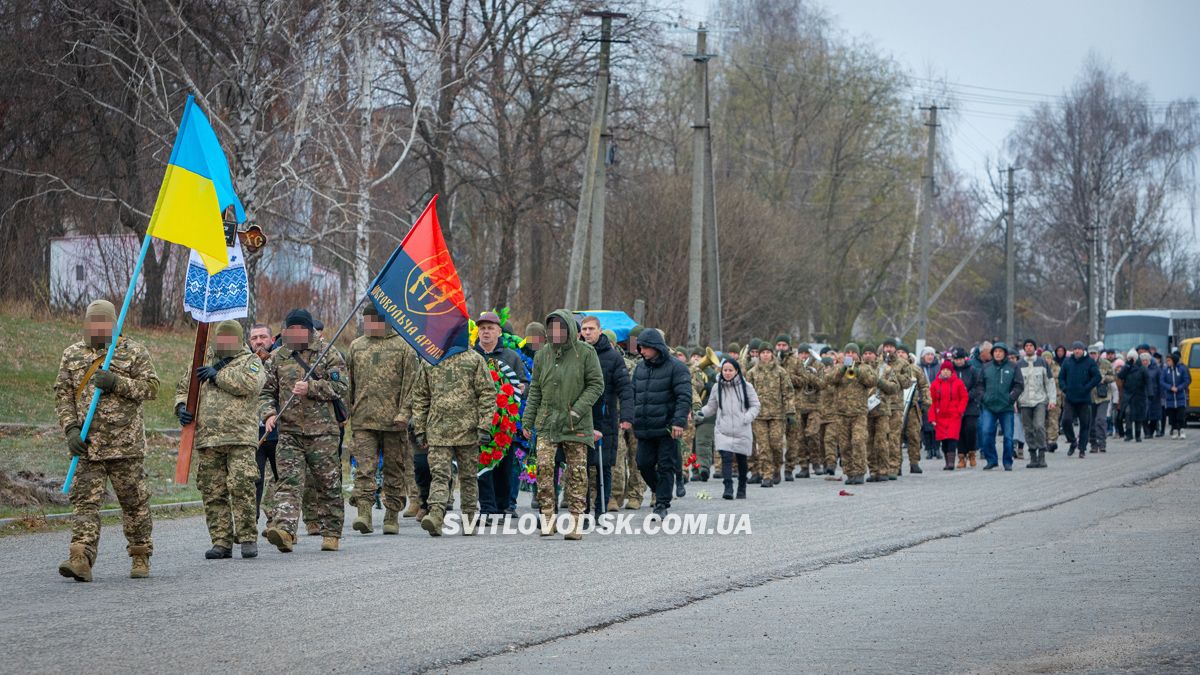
<point x="398" y="477"/>
<point x="828" y="443"/>
<point x="299" y="457"/>
<point x="574" y="475"/>
<point x="128" y="478"/>
<point x="803" y="441"/>
<point x="627" y="480"/>
<point x="849" y="434"/>
<point x="441" y="470"/>
<point x="879" y="443"/>
<point x="912" y="435"/>
<point x="1053" y="422"/>
<point x="225" y="475"/>
<point x="769" y="451"/>
<point x="703" y="446"/>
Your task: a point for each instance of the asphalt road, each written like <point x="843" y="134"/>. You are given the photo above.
<point x="1085" y="565"/>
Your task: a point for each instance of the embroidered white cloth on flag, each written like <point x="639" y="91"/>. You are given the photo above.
<point x="224" y="295"/>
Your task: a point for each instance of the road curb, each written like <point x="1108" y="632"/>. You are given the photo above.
<point x="174" y="506"/>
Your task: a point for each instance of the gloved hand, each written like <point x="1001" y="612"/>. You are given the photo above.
<point x="222" y="363"/>
<point x="104" y="381"/>
<point x="485" y="437"/>
<point x="206" y="373"/>
<point x="75" y="442"/>
<point x="185" y="417"/>
<point x="422" y="442"/>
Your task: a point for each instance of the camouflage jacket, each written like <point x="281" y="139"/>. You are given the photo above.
<point x="807" y="382"/>
<point x="904" y="378"/>
<point x="850" y="388"/>
<point x="454" y="401"/>
<point x="774" y="387"/>
<point x="922" y="393"/>
<point x="382" y="372"/>
<point x="887" y="384"/>
<point x="118" y="429"/>
<point x="1107" y="377"/>
<point x="312" y="414"/>
<point x="229" y="406"/>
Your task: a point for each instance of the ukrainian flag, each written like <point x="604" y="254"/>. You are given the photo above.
<point x="195" y="192"/>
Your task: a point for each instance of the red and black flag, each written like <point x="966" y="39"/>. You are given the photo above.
<point x="419" y="293"/>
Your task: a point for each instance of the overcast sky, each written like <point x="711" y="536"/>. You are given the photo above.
<point x="1030" y="49"/>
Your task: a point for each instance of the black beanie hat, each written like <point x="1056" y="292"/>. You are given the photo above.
<point x="299" y="317"/>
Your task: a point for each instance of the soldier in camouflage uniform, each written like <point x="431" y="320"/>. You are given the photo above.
<point x="226" y="439"/>
<point x="774" y="387"/>
<point x="828" y="446"/>
<point x="803" y="438"/>
<point x="567" y="380"/>
<point x="628" y="485"/>
<point x="308" y="432"/>
<point x="452" y="407"/>
<point x="879" y="417"/>
<point x="849" y="383"/>
<point x="1053" y="415"/>
<point x="382" y="369"/>
<point x="895" y="402"/>
<point x="116" y="442"/>
<point x="918" y="408"/>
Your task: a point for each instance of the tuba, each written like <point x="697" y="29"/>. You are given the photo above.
<point x="710" y="359"/>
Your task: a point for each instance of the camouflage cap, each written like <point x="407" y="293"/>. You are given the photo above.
<point x="755" y="345"/>
<point x="230" y="327"/>
<point x="370" y="310"/>
<point x="889" y="342"/>
<point x="636" y="331"/>
<point x="734" y="348"/>
<point x="851" y="347"/>
<point x="783" y="338"/>
<point x="612" y="337"/>
<point x="803" y="347"/>
<point x="101" y="309"/>
<point x="535" y="328"/>
<point x="696" y="351"/>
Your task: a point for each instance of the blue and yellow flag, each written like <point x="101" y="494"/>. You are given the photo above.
<point x="195" y="192"/>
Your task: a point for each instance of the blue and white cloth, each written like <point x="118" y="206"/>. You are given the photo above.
<point x="224" y="295"/>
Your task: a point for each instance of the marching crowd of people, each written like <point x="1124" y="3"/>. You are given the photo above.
<point x="595" y="421"/>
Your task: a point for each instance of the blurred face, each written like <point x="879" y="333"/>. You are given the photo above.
<point x="590" y="332"/>
<point x="766" y="356"/>
<point x="728" y="371"/>
<point x="754" y="353"/>
<point x="889" y="350"/>
<point x="782" y="347"/>
<point x="695" y="359"/>
<point x="296" y="337"/>
<point x="1030" y="348"/>
<point x="902" y="354"/>
<point x="985" y="352"/>
<point x="227" y="344"/>
<point x="98" y="330"/>
<point x="558" y="332"/>
<point x="374" y="326"/>
<point x="944" y="374"/>
<point x="1012" y="357"/>
<point x="682" y="358"/>
<point x="929" y="358"/>
<point x="868" y="357"/>
<point x="998" y="354"/>
<point x="853" y="356"/>
<point x="958" y="363"/>
<point x="260" y="339"/>
<point x="1078" y="352"/>
<point x="489" y="334"/>
<point x="535" y="342"/>
<point x="648" y="353"/>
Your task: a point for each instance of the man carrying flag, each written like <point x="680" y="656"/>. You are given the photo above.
<point x="115" y="448"/>
<point x="195" y="190"/>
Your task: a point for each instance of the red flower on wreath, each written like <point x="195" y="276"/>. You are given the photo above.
<point x="503" y="440"/>
<point x="507" y="389"/>
<point x="504" y="422"/>
<point x="513" y="409"/>
<point x="495" y="376"/>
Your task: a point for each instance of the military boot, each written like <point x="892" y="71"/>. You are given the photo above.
<point x="363" y="522"/>
<point x="330" y="543"/>
<point x="140" y="559"/>
<point x="218" y="553"/>
<point x="412" y="507"/>
<point x="280" y="539"/>
<point x="432" y="522"/>
<point x="421" y="513"/>
<point x="576" y="531"/>
<point x="313" y="529"/>
<point x="633" y="504"/>
<point x="915" y="468"/>
<point x="1033" y="459"/>
<point x="547" y="523"/>
<point x="249" y="549"/>
<point x="391" y="522"/>
<point x="804" y="473"/>
<point x="77" y="566"/>
<point x="612" y="505"/>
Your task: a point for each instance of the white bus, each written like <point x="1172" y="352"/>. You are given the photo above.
<point x="1125" y="329"/>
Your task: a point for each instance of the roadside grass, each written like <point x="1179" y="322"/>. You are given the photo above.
<point x="30" y="351"/>
<point x="43" y="456"/>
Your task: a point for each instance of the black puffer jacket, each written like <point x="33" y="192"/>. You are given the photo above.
<point x="662" y="390"/>
<point x="974" y="384"/>
<point x="617" y="400"/>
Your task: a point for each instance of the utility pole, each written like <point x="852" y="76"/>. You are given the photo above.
<point x="592" y="158"/>
<point x="926" y="226"/>
<point x="699" y="184"/>
<point x="712" y="247"/>
<point x="596" y="242"/>
<point x="1010" y="264"/>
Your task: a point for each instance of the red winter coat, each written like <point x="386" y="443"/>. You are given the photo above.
<point x="949" y="403"/>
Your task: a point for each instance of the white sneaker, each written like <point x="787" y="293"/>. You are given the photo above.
<point x="1181" y="436"/>
<point x="1172" y="434"/>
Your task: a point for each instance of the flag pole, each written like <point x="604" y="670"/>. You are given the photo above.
<point x="329" y="344"/>
<point x="137" y="270"/>
<point x="187" y="435"/>
<point x="112" y="347"/>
